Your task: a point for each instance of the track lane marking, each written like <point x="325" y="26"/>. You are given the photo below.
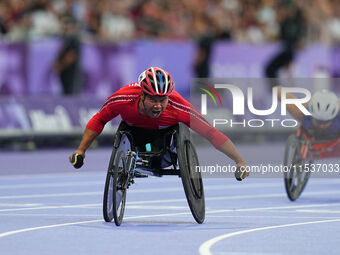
<point x="18" y="231"/>
<point x="180" y="188"/>
<point x="204" y="249"/>
<point x="184" y="200"/>
<point x="144" y="216"/>
<point x="70" y="194"/>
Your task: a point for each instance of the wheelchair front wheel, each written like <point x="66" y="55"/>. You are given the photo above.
<point x="115" y="189"/>
<point x="297" y="174"/>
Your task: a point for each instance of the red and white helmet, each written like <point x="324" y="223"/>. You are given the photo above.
<point x="156" y="81"/>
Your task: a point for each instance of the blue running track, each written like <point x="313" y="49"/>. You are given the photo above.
<point x="46" y="207"/>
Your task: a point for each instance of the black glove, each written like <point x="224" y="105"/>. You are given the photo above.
<point x="77" y="160"/>
<point x="239" y="174"/>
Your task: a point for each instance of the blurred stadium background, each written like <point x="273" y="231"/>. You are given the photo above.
<point x="60" y="59"/>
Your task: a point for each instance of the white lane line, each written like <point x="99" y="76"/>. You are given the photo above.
<point x="158" y="190"/>
<point x="18" y="205"/>
<point x="235" y="197"/>
<point x="51" y="185"/>
<point x="213" y="187"/>
<point x="265" y="216"/>
<point x="319" y="211"/>
<point x="91" y="183"/>
<point x="53" y="195"/>
<point x="50" y="207"/>
<point x="180" y="188"/>
<point x="184" y="200"/>
<point x="204" y="249"/>
<point x="273" y="208"/>
<point x="131" y="217"/>
<point x="139" y="207"/>
<point x="157" y="207"/>
<point x="9" y="233"/>
<point x="130" y="204"/>
<point x="59" y="215"/>
<point x="206" y="244"/>
<point x="210" y="216"/>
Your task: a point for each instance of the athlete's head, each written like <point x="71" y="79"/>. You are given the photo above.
<point x="324" y="107"/>
<point x="157" y="85"/>
<point x="155" y="81"/>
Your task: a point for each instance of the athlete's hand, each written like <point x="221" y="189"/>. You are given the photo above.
<point x="77" y="159"/>
<point x="242" y="171"/>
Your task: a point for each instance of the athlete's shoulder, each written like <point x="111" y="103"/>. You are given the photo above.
<point x="177" y="97"/>
<point x="130" y="89"/>
<point x="127" y="93"/>
<point x="178" y="102"/>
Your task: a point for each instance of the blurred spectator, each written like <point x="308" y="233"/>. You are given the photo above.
<point x="245" y="20"/>
<point x="292" y="24"/>
<point x="334" y="22"/>
<point x="202" y="21"/>
<point x="115" y="23"/>
<point x="214" y="26"/>
<point x="4" y="18"/>
<point x="45" y="21"/>
<point x="67" y="65"/>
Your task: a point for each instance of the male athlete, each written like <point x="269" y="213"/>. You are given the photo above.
<point x="152" y="103"/>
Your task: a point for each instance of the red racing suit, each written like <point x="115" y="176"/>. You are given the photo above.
<point x="124" y="102"/>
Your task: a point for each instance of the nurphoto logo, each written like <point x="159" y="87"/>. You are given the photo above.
<point x="240" y="101"/>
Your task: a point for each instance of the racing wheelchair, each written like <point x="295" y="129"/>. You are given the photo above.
<point x="139" y="153"/>
<point x="300" y="152"/>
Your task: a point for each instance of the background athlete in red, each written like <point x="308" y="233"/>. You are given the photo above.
<point x="152" y="103"/>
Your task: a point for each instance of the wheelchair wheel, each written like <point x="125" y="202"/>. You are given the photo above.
<point x="191" y="179"/>
<point x="115" y="190"/>
<point x="297" y="175"/>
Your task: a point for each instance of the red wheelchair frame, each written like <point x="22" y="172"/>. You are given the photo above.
<point x="300" y="152"/>
<point x="317" y="149"/>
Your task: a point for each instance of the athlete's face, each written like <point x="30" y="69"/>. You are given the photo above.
<point x="153" y="106"/>
<point x="322" y="125"/>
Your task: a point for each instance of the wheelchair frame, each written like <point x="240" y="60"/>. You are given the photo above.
<point x="129" y="158"/>
<point x="305" y="150"/>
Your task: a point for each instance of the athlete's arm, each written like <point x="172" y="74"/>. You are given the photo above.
<point x="95" y="126"/>
<point x="196" y="121"/>
<point x="229" y="149"/>
<point x="85" y="143"/>
<point x="292" y="108"/>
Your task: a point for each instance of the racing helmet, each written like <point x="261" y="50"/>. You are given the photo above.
<point x="324" y="105"/>
<point x="156" y="81"/>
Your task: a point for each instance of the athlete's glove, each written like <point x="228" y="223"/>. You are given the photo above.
<point x="240" y="174"/>
<point x="77" y="160"/>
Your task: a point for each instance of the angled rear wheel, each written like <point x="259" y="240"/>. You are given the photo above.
<point x="191" y="178"/>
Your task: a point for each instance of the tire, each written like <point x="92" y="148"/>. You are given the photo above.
<point x="119" y="188"/>
<point x="296" y="176"/>
<point x="191" y="179"/>
<point x="120" y="147"/>
<point x="115" y="190"/>
<point x="108" y="190"/>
